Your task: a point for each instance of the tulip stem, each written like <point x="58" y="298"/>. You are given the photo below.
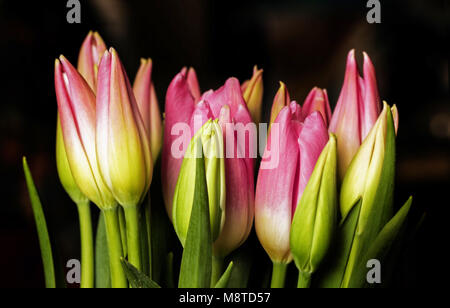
<point x="278" y="275"/>
<point x="304" y="280"/>
<point x="217" y="268"/>
<point x="133" y="236"/>
<point x="87" y="245"/>
<point x="118" y="278"/>
<point x="148" y="219"/>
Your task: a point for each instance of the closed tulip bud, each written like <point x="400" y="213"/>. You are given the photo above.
<point x="253" y="94"/>
<point x="317" y="100"/>
<point x="90" y="55"/>
<point x="315" y="218"/>
<point x="147" y="101"/>
<point x="356" y="111"/>
<point x="123" y="147"/>
<point x="282" y="99"/>
<point x="279" y="189"/>
<point x="76" y="107"/>
<point x="369" y="185"/>
<point x="208" y="141"/>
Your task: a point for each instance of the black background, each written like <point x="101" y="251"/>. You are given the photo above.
<point x="303" y="43"/>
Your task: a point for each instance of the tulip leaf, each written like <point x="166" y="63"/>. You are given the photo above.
<point x="196" y="263"/>
<point x="41" y="225"/>
<point x="137" y="279"/>
<point x="381" y="247"/>
<point x="102" y="270"/>
<point x="224" y="280"/>
<point x="333" y="272"/>
<point x="169" y="275"/>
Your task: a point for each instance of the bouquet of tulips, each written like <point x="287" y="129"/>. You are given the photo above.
<point x="322" y="197"/>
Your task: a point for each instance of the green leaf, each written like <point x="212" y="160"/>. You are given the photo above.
<point x="196" y="263"/>
<point x="137" y="279"/>
<point x="381" y="247"/>
<point x="333" y="272"/>
<point x="224" y="280"/>
<point x="41" y="225"/>
<point x="102" y="270"/>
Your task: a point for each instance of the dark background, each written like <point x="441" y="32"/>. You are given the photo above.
<point x="303" y="43"/>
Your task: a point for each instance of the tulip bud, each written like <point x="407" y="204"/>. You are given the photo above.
<point x="207" y="141"/>
<point x="370" y="179"/>
<point x="279" y="189"/>
<point x="76" y="107"/>
<point x="253" y="94"/>
<point x="315" y="218"/>
<point x="90" y="55"/>
<point x="356" y="111"/>
<point x="123" y="147"/>
<point x="63" y="167"/>
<point x="281" y="100"/>
<point x="147" y="101"/>
<point x="317" y="100"/>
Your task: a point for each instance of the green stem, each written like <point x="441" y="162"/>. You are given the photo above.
<point x="278" y="275"/>
<point x="87" y="245"/>
<point x="118" y="278"/>
<point x="123" y="231"/>
<point x="217" y="269"/>
<point x="133" y="236"/>
<point x="148" y="219"/>
<point x="304" y="280"/>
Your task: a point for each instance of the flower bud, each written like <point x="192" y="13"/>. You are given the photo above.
<point x="123" y="147"/>
<point x="317" y="100"/>
<point x="76" y="107"/>
<point x="282" y="99"/>
<point x="147" y="101"/>
<point x="315" y="218"/>
<point x="280" y="188"/>
<point x="89" y="58"/>
<point x="253" y="94"/>
<point x="208" y="141"/>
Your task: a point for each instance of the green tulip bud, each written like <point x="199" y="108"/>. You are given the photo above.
<point x="208" y="141"/>
<point x="315" y="218"/>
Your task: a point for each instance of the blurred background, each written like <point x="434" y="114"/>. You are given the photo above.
<point x="302" y="43"/>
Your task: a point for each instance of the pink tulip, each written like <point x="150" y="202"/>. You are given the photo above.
<point x="147" y="101"/>
<point x="317" y="100"/>
<point x="282" y="99"/>
<point x="123" y="146"/>
<point x="226" y="104"/>
<point x="356" y="111"/>
<point x="279" y="189"/>
<point x="90" y="54"/>
<point x="76" y="107"/>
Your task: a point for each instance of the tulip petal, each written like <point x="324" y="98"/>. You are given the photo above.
<point x="89" y="58"/>
<point x="179" y="107"/>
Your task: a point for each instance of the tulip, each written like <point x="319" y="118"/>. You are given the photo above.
<point x="228" y="107"/>
<point x="90" y="54"/>
<point x="253" y="94"/>
<point x="210" y="138"/>
<point x="366" y="199"/>
<point x="279" y="189"/>
<point x="76" y="106"/>
<point x="77" y="113"/>
<point x="123" y="147"/>
<point x="282" y="99"/>
<point x="356" y="111"/>
<point x="315" y="218"/>
<point x="317" y="100"/>
<point x="147" y="101"/>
